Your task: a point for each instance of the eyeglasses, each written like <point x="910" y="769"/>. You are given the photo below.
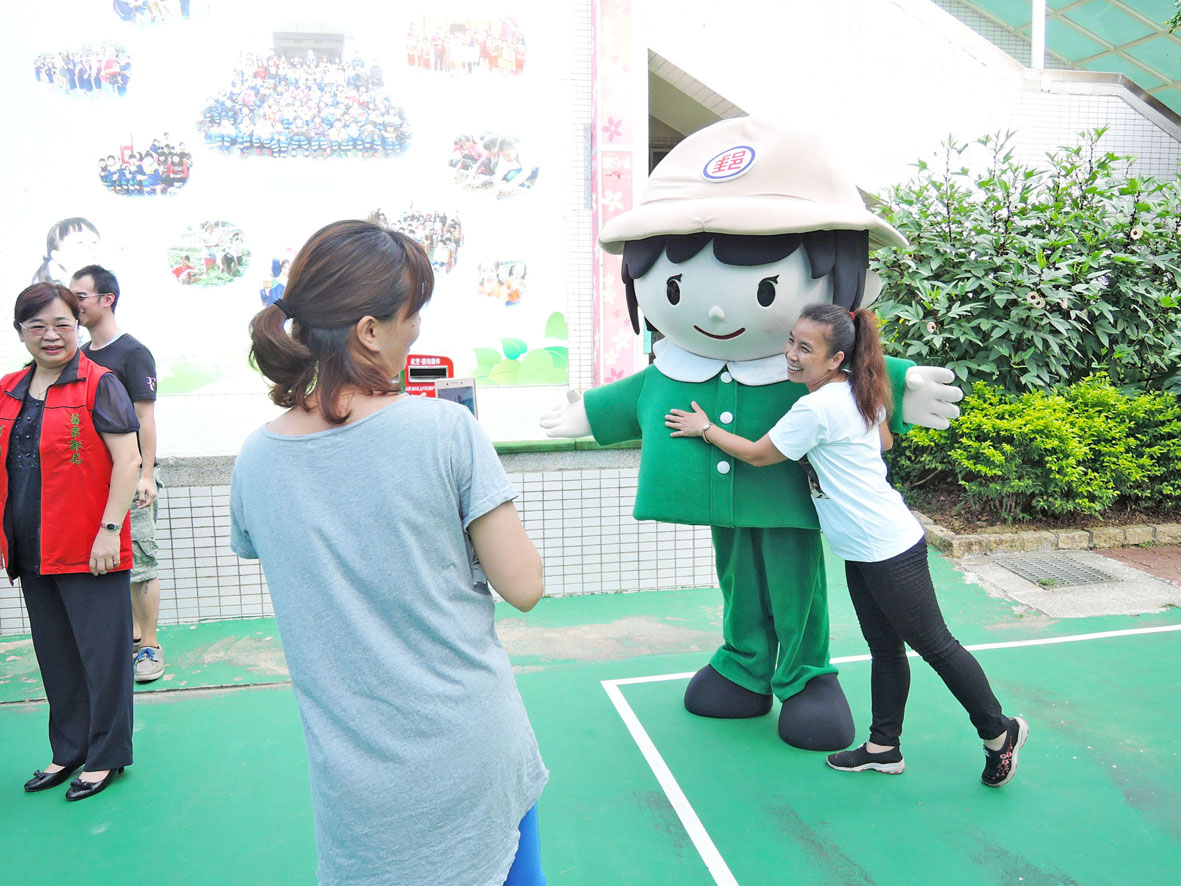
<point x="36" y="330"/>
<point x="82" y="296"/>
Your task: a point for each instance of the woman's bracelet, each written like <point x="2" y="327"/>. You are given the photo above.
<point x="708" y="425"/>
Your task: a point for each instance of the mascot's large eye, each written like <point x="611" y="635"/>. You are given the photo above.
<point x="767" y="290"/>
<point x="673" y="289"/>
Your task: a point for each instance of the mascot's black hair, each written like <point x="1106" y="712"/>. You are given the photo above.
<point x="844" y="254"/>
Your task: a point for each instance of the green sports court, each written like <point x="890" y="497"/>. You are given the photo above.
<point x="643" y="792"/>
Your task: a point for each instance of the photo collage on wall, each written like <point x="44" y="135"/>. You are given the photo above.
<point x="250" y="128"/>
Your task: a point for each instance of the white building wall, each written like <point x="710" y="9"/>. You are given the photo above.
<point x="886" y="80"/>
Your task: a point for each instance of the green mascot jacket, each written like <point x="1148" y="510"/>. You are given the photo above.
<point x="683" y="481"/>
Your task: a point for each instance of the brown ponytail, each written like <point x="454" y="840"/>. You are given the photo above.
<point x="346" y="271"/>
<point x="856" y="334"/>
<point x="867" y="370"/>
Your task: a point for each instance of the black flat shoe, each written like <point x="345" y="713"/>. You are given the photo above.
<point x="80" y="790"/>
<point x="43" y="781"/>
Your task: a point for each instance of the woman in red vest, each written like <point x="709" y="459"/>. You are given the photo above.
<point x="68" y="443"/>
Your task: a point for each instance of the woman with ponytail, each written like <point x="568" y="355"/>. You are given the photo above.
<point x="837" y="431"/>
<point x="380" y="521"/>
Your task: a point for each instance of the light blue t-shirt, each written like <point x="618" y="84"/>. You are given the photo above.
<point x="861" y="514"/>
<point x="421" y="757"/>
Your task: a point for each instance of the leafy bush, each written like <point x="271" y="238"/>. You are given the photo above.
<point x="1083" y="450"/>
<point x="1024" y="277"/>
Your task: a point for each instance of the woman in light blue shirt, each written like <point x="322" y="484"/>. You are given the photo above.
<point x="380" y="521"/>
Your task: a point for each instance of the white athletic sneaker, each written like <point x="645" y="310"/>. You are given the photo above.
<point x="149" y="664"/>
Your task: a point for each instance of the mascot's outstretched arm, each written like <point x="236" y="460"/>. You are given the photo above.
<point x="568" y="420"/>
<point x="930" y="397"/>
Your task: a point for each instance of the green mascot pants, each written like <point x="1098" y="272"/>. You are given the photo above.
<point x="775" y="623"/>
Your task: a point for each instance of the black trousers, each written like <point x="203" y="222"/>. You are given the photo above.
<point x="82" y="636"/>
<point x="896" y="605"/>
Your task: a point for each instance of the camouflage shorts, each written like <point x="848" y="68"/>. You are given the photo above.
<point x="143" y="540"/>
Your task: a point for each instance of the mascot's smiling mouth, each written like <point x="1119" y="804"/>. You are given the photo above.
<point x="721" y="337"/>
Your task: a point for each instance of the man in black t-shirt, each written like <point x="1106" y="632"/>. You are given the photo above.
<point x="98" y="292"/>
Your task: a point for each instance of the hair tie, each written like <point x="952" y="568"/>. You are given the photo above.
<point x="852" y="316"/>
<point x="282" y="306"/>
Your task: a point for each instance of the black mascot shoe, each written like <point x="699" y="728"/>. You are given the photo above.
<point x="712" y="695"/>
<point x="817" y="718"/>
<point x="43" y="781"/>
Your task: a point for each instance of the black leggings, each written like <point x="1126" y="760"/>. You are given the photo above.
<point x="896" y="605"/>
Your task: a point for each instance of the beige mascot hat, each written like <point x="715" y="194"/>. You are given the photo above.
<point x="747" y="176"/>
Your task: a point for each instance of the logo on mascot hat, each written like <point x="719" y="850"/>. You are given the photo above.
<point x="729" y="164"/>
<point x="795" y="187"/>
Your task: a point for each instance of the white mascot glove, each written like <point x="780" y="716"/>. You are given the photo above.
<point x="568" y="420"/>
<point x="930" y="397"/>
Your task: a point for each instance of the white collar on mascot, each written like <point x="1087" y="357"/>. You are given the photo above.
<point x="678" y="364"/>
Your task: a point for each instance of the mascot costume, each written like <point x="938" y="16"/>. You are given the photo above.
<point x="742" y="225"/>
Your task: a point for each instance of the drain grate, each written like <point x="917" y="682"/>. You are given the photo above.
<point x="1053" y="570"/>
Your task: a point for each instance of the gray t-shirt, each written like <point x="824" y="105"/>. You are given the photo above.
<point x="421" y="756"/>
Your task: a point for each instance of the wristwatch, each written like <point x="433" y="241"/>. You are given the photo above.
<point x="110" y="527"/>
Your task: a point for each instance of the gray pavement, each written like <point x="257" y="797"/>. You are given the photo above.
<point x="1123" y="582"/>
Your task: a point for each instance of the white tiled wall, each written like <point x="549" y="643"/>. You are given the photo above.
<point x="200" y="577"/>
<point x="580" y="521"/>
<point x="582" y="524"/>
<point x="1047" y="120"/>
<point x="12" y="610"/>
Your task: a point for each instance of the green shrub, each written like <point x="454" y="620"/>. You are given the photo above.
<point x="1025" y="278"/>
<point x="1083" y="450"/>
<point x="1136" y="440"/>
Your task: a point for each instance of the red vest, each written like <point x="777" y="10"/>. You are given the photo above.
<point x="75" y="468"/>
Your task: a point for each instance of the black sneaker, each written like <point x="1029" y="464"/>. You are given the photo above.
<point x="859" y="760"/>
<point x="1000" y="766"/>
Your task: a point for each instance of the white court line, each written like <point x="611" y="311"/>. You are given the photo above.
<point x="697" y="833"/>
<point x="680" y="803"/>
<point x="1012" y="644"/>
